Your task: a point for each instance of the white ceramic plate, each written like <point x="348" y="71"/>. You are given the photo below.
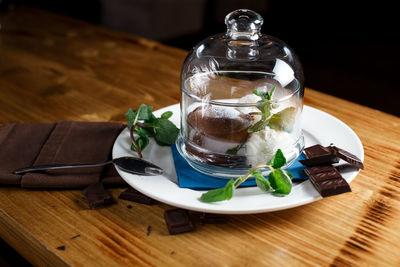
<point x="318" y="127"/>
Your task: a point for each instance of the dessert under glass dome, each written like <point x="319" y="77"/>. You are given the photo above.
<point x="242" y="99"/>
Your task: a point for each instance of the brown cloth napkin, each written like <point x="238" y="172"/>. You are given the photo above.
<point x="65" y="142"/>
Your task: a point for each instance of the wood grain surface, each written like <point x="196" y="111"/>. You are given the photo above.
<point x="55" y="68"/>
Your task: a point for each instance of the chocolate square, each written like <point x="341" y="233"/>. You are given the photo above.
<point x="316" y="151"/>
<point x="347" y="156"/>
<point x="318" y="155"/>
<point x="97" y="196"/>
<point x="327" y="180"/>
<point x="318" y="169"/>
<point x="322" y="176"/>
<point x="178" y="221"/>
<point x="332" y="187"/>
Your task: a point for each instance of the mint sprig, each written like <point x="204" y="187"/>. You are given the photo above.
<point x="220" y="194"/>
<point x="143" y="122"/>
<point x="264" y="105"/>
<point x="279" y="181"/>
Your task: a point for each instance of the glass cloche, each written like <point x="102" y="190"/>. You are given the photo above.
<point x="242" y="99"/>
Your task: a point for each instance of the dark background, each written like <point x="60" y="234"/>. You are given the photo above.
<point x="349" y="49"/>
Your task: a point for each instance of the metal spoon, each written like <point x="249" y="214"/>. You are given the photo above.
<point x="127" y="164"/>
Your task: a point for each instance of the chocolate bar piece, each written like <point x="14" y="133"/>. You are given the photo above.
<point x="332" y="187"/>
<point x="322" y="176"/>
<point x="318" y="169"/>
<point x="96" y="195"/>
<point x="135" y="196"/>
<point x="322" y="173"/>
<point x="327" y="180"/>
<point x="347" y="156"/>
<point x="318" y="155"/>
<point x="178" y="221"/>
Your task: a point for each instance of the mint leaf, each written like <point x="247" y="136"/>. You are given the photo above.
<point x="149" y="131"/>
<point x="289" y="174"/>
<point x="278" y="160"/>
<point x="130" y="116"/>
<point x="166" y="131"/>
<point x="280" y="181"/>
<point x="266" y="112"/>
<point x="219" y="194"/>
<point x="144" y="112"/>
<point x="261" y="182"/>
<point x="142" y="141"/>
<point x="166" y="115"/>
<point x="265" y="95"/>
<point x="234" y="150"/>
<point x="257" y="93"/>
<point x="283" y="120"/>
<point x="271" y="92"/>
<point x="143" y="122"/>
<point x="264" y="105"/>
<point x="258" y="126"/>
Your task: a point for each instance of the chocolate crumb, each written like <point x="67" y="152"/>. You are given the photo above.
<point x="74" y="237"/>
<point x="63" y="247"/>
<point x="129" y="206"/>
<point x="148" y="230"/>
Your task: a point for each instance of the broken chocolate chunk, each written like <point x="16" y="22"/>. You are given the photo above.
<point x="332" y="187"/>
<point x="322" y="173"/>
<point x="135" y="196"/>
<point x="178" y="221"/>
<point x="318" y="169"/>
<point x="327" y="180"/>
<point x="97" y="196"/>
<point x="322" y="176"/>
<point x="347" y="156"/>
<point x="318" y="155"/>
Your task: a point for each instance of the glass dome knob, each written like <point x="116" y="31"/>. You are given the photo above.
<point x="243" y="24"/>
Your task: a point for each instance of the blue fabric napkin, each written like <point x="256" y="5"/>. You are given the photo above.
<point x="190" y="178"/>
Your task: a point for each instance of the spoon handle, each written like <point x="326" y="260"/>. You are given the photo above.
<point x="54" y="167"/>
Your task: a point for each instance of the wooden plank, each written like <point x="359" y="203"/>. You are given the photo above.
<point x="55" y="68"/>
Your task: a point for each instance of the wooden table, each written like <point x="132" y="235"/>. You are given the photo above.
<point x="55" y="68"/>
